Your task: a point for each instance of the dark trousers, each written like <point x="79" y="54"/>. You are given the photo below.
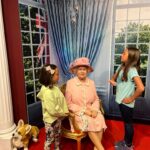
<point x="127" y="115"/>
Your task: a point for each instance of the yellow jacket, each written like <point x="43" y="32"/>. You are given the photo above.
<point x="53" y="103"/>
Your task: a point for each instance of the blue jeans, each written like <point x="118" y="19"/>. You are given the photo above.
<point x="127" y="115"/>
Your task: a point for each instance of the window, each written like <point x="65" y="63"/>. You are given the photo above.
<point x="132" y="28"/>
<point x="33" y="22"/>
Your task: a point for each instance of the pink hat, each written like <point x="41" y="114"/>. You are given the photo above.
<point x="83" y="61"/>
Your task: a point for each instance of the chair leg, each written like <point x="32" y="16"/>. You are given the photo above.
<point x="78" y="144"/>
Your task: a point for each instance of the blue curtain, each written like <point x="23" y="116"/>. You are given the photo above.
<point x="77" y="28"/>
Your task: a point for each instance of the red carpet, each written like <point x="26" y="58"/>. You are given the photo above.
<point x="114" y="132"/>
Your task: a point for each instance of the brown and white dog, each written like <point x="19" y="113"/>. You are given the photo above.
<point x="23" y="134"/>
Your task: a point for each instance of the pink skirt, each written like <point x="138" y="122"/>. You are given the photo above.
<point x="87" y="123"/>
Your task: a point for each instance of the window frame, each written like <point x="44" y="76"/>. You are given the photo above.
<point x="114" y="43"/>
<point x="40" y="6"/>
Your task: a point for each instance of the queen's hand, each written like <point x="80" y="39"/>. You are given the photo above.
<point x="94" y="113"/>
<point x="88" y="112"/>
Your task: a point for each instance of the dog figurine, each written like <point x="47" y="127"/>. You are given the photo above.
<point x="23" y="134"/>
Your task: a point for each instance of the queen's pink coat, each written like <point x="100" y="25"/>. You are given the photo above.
<point x="81" y="96"/>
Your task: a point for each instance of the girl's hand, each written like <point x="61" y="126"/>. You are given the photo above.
<point x="113" y="83"/>
<point x="94" y="114"/>
<point x="127" y="100"/>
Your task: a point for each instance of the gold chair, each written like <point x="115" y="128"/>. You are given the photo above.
<point x="77" y="135"/>
<point x="101" y="107"/>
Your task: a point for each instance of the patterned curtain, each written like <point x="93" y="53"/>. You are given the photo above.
<point x="77" y="28"/>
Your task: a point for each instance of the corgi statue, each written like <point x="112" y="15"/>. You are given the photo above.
<point x="23" y="134"/>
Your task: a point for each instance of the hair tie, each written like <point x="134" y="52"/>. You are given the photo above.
<point x="48" y="68"/>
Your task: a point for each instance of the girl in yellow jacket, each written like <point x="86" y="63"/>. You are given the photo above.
<point x="54" y="105"/>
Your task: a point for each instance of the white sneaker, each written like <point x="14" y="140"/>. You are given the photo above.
<point x="127" y="148"/>
<point x="119" y="145"/>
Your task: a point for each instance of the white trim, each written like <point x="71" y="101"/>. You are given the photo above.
<point x="7" y="125"/>
<point x="31" y="3"/>
<point x="132" y="5"/>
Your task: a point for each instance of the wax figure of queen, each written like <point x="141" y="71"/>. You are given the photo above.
<point x="83" y="102"/>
